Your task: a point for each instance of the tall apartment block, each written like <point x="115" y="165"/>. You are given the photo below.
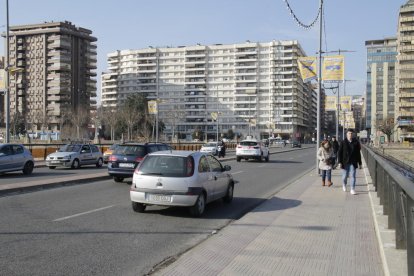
<point x="381" y="72"/>
<point x="404" y="97"/>
<point x="253" y="86"/>
<point x="57" y="76"/>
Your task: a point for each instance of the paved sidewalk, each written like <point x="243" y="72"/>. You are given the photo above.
<point x="305" y="229"/>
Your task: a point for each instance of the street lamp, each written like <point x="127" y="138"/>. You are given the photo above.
<point x="7" y="93"/>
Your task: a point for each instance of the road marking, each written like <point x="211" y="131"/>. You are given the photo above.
<point x="84" y="213"/>
<point x="237" y="172"/>
<point x="261" y="166"/>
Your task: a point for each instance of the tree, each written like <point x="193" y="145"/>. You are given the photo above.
<point x="133" y="112"/>
<point x="386" y="126"/>
<point x="110" y="117"/>
<point x="173" y="118"/>
<point x="79" y="119"/>
<point x="230" y="134"/>
<point x="17" y="124"/>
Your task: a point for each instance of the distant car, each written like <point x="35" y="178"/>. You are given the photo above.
<point x="180" y="178"/>
<point x="210" y="147"/>
<point x="15" y="157"/>
<point x="252" y="149"/>
<point x="296" y="144"/>
<point x="74" y="156"/>
<point x="126" y="157"/>
<point x="108" y="152"/>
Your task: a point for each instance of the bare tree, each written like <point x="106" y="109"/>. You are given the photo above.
<point x="110" y="117"/>
<point x="42" y="119"/>
<point x="386" y="126"/>
<point x="173" y="118"/>
<point x="79" y="119"/>
<point x="130" y="116"/>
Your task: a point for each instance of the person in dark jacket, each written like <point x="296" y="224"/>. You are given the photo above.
<point x="335" y="148"/>
<point x="349" y="157"/>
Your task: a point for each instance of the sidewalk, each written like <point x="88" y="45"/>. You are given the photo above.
<point x="305" y="229"/>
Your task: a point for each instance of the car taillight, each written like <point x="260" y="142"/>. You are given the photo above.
<point x="139" y="159"/>
<point x="190" y="166"/>
<point x="112" y="158"/>
<point x="256" y="147"/>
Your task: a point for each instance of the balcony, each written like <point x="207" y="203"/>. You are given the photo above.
<point x="405" y="57"/>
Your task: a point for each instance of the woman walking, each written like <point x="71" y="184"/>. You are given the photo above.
<point x="325" y="156"/>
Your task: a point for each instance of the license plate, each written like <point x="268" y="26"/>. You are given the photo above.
<point x="159" y="198"/>
<point x="126" y="165"/>
<point x="55" y="162"/>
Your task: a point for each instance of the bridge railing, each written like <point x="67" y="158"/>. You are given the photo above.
<point x="396" y="193"/>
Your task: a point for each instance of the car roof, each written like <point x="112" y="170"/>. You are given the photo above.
<point x="249" y="140"/>
<point x="181" y="153"/>
<point x="140" y="144"/>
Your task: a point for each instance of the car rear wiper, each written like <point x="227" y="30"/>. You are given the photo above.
<point x="152" y="173"/>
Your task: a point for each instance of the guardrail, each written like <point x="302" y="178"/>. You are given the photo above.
<point x="396" y="194"/>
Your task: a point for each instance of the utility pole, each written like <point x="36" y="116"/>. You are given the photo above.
<point x="7" y="94"/>
<point x="318" y="106"/>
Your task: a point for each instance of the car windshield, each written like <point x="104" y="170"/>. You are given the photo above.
<point x="248" y="143"/>
<point x="114" y="146"/>
<point x="210" y="145"/>
<point x="168" y="166"/>
<point x="70" y="148"/>
<point x="133" y="150"/>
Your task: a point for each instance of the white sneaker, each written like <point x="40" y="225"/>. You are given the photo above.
<point x="344" y="188"/>
<point x="353" y="192"/>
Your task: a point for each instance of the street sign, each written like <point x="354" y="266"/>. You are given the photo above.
<point x="152" y="107"/>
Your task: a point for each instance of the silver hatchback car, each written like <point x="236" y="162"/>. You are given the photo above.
<point x="180" y="178"/>
<point x="15" y="157"/>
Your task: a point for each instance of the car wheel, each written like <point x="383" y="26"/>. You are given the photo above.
<point x="118" y="179"/>
<point x="198" y="209"/>
<point x="138" y="207"/>
<point x="238" y="159"/>
<point x="52" y="167"/>
<point x="229" y="195"/>
<point x="28" y="167"/>
<point x="75" y="164"/>
<point x="99" y="163"/>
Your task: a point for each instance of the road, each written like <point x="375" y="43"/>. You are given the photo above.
<point x="91" y="229"/>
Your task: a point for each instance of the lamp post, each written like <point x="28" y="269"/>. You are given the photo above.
<point x="7" y="93"/>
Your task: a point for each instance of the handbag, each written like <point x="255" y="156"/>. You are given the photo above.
<point x="330" y="161"/>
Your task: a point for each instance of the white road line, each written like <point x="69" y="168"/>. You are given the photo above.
<point x="261" y="166"/>
<point x="84" y="213"/>
<point x="236" y="172"/>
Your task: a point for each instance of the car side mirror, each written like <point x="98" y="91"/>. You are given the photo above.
<point x="83" y="151"/>
<point x="227" y="168"/>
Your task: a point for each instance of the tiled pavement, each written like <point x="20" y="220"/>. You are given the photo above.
<point x="305" y="229"/>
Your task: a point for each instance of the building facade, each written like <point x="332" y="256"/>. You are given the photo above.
<point x="381" y="73"/>
<point x="255" y="87"/>
<point x="404" y="97"/>
<point x="56" y="65"/>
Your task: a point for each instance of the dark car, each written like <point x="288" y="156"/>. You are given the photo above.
<point x="296" y="144"/>
<point x="126" y="157"/>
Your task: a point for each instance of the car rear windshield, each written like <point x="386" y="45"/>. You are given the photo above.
<point x="169" y="166"/>
<point x="248" y="143"/>
<point x="132" y="150"/>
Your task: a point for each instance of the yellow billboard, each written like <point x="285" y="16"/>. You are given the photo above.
<point x="307" y="68"/>
<point x="333" y="69"/>
<point x="2" y="79"/>
<point x="330" y="103"/>
<point x="152" y="107"/>
<point x="346" y="103"/>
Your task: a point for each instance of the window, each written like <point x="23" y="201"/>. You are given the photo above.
<point x="203" y="165"/>
<point x="215" y="165"/>
<point x="17" y="149"/>
<point x="6" y="150"/>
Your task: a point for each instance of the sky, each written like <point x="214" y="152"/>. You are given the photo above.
<point x="137" y="24"/>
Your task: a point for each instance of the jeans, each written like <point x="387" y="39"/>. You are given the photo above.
<point x="326" y="174"/>
<point x="349" y="168"/>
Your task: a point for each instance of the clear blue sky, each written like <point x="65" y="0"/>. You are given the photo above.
<point x="134" y="24"/>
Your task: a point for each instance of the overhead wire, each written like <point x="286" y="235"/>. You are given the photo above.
<point x="299" y="22"/>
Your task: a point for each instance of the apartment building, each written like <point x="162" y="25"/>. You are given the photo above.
<point x="404" y="97"/>
<point x="253" y="86"/>
<point x="381" y="73"/>
<point x="56" y="65"/>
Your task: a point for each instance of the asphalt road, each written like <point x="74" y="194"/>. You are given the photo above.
<point x="90" y="229"/>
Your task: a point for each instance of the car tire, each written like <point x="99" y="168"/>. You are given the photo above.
<point x="229" y="195"/>
<point x="118" y="179"/>
<point x="198" y="209"/>
<point x="52" y="167"/>
<point x="76" y="164"/>
<point x="238" y="159"/>
<point x="138" y="207"/>
<point x="99" y="163"/>
<point x="28" y="167"/>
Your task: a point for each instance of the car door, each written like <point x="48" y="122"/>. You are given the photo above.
<point x="96" y="154"/>
<point x="6" y="158"/>
<point x="206" y="177"/>
<point x="18" y="156"/>
<point x="219" y="177"/>
<point x="85" y="155"/>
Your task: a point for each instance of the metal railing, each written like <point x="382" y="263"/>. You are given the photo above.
<point x="396" y="194"/>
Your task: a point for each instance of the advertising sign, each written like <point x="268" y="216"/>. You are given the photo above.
<point x="330" y="103"/>
<point x="346" y="103"/>
<point x="152" y="107"/>
<point x="307" y="68"/>
<point x="2" y="80"/>
<point x="333" y="69"/>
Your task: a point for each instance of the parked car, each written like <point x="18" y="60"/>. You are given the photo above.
<point x="181" y="178"/>
<point x="252" y="149"/>
<point x="296" y="144"/>
<point x="210" y="147"/>
<point x="126" y="157"/>
<point x="108" y="152"/>
<point x="15" y="157"/>
<point x="74" y="156"/>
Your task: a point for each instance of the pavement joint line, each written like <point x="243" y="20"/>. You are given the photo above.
<point x="84" y="213"/>
<point x="236" y="172"/>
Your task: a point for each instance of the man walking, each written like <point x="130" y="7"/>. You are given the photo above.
<point x="349" y="157"/>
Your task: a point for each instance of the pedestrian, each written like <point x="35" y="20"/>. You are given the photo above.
<point x="349" y="157"/>
<point x="325" y="156"/>
<point x="223" y="149"/>
<point x="335" y="148"/>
